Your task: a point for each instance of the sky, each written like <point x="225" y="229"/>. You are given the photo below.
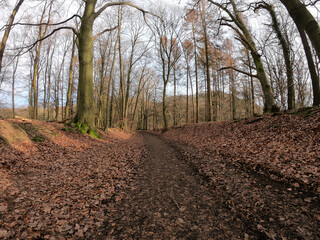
<point x="26" y="11"/>
<point x="5" y="11"/>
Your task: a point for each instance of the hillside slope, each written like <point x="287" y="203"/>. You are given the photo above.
<point x="285" y="147"/>
<point x="57" y="182"/>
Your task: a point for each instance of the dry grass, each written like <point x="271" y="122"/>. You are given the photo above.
<point x="12" y="134"/>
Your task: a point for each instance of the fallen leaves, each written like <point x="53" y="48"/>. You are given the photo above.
<point x="266" y="172"/>
<point x="283" y="147"/>
<point x="59" y="188"/>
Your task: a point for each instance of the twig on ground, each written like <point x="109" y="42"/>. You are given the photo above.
<point x="177" y="205"/>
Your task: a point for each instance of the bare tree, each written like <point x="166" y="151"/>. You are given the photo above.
<point x="85" y="116"/>
<point x="302" y="17"/>
<point x="235" y="22"/>
<point x="286" y="51"/>
<point x="8" y="29"/>
<point x="34" y="84"/>
<point x="167" y="32"/>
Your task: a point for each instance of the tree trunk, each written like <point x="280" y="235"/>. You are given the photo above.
<point x="110" y="84"/>
<point x="164" y="107"/>
<point x="122" y="87"/>
<point x="7" y="31"/>
<point x="301" y="15"/>
<point x="138" y="95"/>
<point x="174" y="96"/>
<point x="15" y="66"/>
<point x="85" y="117"/>
<point x="187" y="99"/>
<point x="207" y="67"/>
<point x="311" y="65"/>
<point x="34" y="92"/>
<point x="35" y="77"/>
<point x="269" y="102"/>
<point x="286" y="53"/>
<point x="111" y="105"/>
<point x="67" y="109"/>
<point x="155" y="122"/>
<point x="246" y="39"/>
<point x="233" y="97"/>
<point x="251" y="83"/>
<point x="196" y="72"/>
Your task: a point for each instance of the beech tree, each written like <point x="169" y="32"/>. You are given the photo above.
<point x="85" y="116"/>
<point x="286" y="51"/>
<point x="192" y="18"/>
<point x="109" y="60"/>
<point x="236" y="23"/>
<point x="8" y="29"/>
<point x="312" y="68"/>
<point x="307" y="26"/>
<point x="207" y="60"/>
<point x="167" y="30"/>
<point x="302" y="17"/>
<point x="42" y="31"/>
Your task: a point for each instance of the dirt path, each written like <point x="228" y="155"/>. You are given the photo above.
<point x="169" y="200"/>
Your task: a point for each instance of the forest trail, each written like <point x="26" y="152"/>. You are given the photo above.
<point x="168" y="199"/>
<point x="197" y="181"/>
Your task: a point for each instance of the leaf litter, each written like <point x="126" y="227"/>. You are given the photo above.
<point x="266" y="171"/>
<point x="57" y="188"/>
<point x="252" y="179"/>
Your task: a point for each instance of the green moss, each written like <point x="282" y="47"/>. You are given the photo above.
<point x="94" y="134"/>
<point x="77" y="125"/>
<point x="82" y="127"/>
<point x="67" y="129"/>
<point x="37" y="138"/>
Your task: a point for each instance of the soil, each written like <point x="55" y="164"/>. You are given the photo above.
<point x="170" y="199"/>
<point x="192" y="182"/>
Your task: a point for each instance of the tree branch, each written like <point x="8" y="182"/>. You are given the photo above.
<point x="49" y="35"/>
<point x="122" y="4"/>
<point x="144" y="12"/>
<point x="43" y="24"/>
<point x="226" y="10"/>
<point x="238" y="70"/>
<point x="106" y="30"/>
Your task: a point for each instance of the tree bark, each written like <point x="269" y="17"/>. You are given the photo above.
<point x="286" y="53"/>
<point x="7" y="31"/>
<point x="67" y="109"/>
<point x="174" y="96"/>
<point x="85" y="116"/>
<point x="207" y="65"/>
<point x="122" y="87"/>
<point x="247" y="40"/>
<point x="15" y="66"/>
<point x="311" y="65"/>
<point x="196" y="72"/>
<point x="110" y="85"/>
<point x="301" y="15"/>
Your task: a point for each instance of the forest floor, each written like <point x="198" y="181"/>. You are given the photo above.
<point x="251" y="179"/>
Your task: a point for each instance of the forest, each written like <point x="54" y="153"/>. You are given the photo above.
<point x="141" y="66"/>
<point x="182" y="119"/>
